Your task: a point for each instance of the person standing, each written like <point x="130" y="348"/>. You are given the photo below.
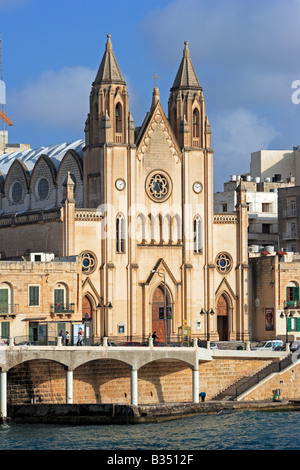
<point x="61" y="334"/>
<point x="67" y="338"/>
<point x="154" y="337"/>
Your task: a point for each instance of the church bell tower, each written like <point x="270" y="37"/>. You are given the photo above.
<point x="109" y="123"/>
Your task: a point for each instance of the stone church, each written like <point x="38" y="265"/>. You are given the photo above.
<point x="135" y="204"/>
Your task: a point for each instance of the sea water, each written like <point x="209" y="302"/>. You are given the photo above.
<point x="232" y="430"/>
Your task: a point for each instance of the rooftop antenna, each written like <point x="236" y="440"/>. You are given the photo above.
<point x="4" y="118"/>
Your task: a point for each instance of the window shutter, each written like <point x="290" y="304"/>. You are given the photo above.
<point x="298" y="323"/>
<point x="296" y="293"/>
<point x="34" y="295"/>
<point x="5" y="329"/>
<point x="3" y="300"/>
<point x="289" y="324"/>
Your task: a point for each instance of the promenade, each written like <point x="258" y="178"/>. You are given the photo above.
<point x="134" y="358"/>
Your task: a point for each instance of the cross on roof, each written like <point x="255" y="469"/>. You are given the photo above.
<point x="156" y="77"/>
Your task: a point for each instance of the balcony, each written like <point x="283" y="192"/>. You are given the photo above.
<point x="8" y="309"/>
<point x="292" y="304"/>
<point x="62" y="309"/>
<point x="290" y="213"/>
<point x="290" y="235"/>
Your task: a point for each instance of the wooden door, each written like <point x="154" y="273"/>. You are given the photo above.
<point x="158" y="320"/>
<point x="222" y="319"/>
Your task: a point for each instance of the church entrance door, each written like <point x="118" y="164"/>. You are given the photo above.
<point x="222" y="316"/>
<point x="87" y="314"/>
<point x="158" y="319"/>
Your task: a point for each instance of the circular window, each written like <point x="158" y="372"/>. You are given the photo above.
<point x="89" y="262"/>
<point x="17" y="193"/>
<point x="223" y="263"/>
<point x="43" y="188"/>
<point x="158" y="186"/>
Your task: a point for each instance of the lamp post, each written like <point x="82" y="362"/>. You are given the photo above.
<point x="287" y="315"/>
<point x="207" y="312"/>
<point x="165" y="302"/>
<point x="104" y="306"/>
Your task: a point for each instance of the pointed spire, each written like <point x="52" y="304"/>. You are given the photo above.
<point x="155" y="96"/>
<point x="186" y="76"/>
<point x="109" y="71"/>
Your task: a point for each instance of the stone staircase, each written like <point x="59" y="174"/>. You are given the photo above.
<point x="236" y="389"/>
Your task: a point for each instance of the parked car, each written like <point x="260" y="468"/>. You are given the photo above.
<point x="294" y="346"/>
<point x="28" y="343"/>
<point x="109" y="343"/>
<point x="132" y="343"/>
<point x="203" y="344"/>
<point x="280" y="348"/>
<point x="268" y="345"/>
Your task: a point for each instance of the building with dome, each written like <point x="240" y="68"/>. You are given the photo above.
<point x="135" y="206"/>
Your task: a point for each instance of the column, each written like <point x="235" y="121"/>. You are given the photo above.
<point x="195" y="385"/>
<point x="3" y="394"/>
<point x="69" y="387"/>
<point x="134" y="387"/>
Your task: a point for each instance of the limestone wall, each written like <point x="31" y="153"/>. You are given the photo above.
<point x="108" y="381"/>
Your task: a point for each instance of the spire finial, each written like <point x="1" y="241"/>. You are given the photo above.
<point x="186" y="52"/>
<point x="108" y="43"/>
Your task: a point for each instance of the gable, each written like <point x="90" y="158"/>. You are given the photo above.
<point x="157" y="141"/>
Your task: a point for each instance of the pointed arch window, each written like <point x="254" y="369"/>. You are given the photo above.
<point x="197" y="234"/>
<point x="196" y="123"/>
<point x="120" y="234"/>
<point x="118" y="114"/>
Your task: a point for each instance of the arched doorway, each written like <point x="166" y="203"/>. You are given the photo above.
<point x="222" y="318"/>
<point x="87" y="315"/>
<point x="158" y="313"/>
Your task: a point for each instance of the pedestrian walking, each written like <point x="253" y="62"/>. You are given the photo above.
<point x="80" y="337"/>
<point x="67" y="338"/>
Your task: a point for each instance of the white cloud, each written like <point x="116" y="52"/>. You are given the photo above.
<point x="239" y="133"/>
<point x="56" y="99"/>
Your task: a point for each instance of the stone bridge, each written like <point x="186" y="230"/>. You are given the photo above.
<point x="72" y="357"/>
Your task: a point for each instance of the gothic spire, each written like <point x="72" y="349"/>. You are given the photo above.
<point x="186" y="76"/>
<point x="109" y="71"/>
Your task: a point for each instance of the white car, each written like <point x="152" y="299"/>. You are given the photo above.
<point x="268" y="345"/>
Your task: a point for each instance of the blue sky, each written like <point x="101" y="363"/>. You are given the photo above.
<point x="245" y="53"/>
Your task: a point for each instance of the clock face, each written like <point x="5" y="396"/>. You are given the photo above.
<point x="120" y="184"/>
<point x="197" y="187"/>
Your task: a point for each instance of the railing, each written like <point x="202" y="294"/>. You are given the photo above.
<point x="29" y="341"/>
<point x="290" y="213"/>
<point x="119" y="138"/>
<point x="272" y="368"/>
<point x="292" y="304"/>
<point x="290" y="235"/>
<point x="62" y="308"/>
<point x="6" y="308"/>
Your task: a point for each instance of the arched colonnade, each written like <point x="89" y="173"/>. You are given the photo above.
<point x="74" y="357"/>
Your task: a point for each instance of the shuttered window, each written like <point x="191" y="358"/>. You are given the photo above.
<point x="293" y="324"/>
<point x="3" y="300"/>
<point x="34" y="295"/>
<point x="5" y="329"/>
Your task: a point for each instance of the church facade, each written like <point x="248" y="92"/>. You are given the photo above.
<point x="136" y="206"/>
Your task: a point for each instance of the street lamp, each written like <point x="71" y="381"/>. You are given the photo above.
<point x="104" y="306"/>
<point x="287" y="315"/>
<point x="207" y="312"/>
<point x="165" y="302"/>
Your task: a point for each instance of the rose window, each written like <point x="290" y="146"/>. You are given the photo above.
<point x="158" y="186"/>
<point x="88" y="262"/>
<point x="223" y="263"/>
